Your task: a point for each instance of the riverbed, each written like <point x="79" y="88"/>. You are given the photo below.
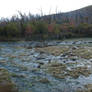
<point x="49" y="66"/>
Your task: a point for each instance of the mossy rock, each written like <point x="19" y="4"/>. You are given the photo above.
<point x="44" y="80"/>
<point x="59" y="76"/>
<point x="59" y="70"/>
<point x="88" y="88"/>
<point x="54" y="50"/>
<point x="83" y="52"/>
<point x="6" y="85"/>
<point x="56" y="68"/>
<point x="76" y="72"/>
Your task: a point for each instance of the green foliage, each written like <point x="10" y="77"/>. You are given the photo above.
<point x="10" y="30"/>
<point x="38" y="29"/>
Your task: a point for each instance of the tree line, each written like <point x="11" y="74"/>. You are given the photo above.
<point x="30" y="27"/>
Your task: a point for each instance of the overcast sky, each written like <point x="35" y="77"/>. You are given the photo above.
<point x="10" y="7"/>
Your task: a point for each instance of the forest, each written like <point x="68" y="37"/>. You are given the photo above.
<point x="50" y="27"/>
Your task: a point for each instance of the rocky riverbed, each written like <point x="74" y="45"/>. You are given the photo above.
<point x="50" y="66"/>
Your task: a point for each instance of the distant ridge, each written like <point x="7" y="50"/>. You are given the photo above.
<point x="83" y="15"/>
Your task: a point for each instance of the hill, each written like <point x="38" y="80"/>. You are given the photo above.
<point x="83" y="15"/>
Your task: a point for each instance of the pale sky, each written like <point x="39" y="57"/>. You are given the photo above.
<point x="10" y="7"/>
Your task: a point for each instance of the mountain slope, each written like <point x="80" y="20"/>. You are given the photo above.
<point x="83" y="15"/>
